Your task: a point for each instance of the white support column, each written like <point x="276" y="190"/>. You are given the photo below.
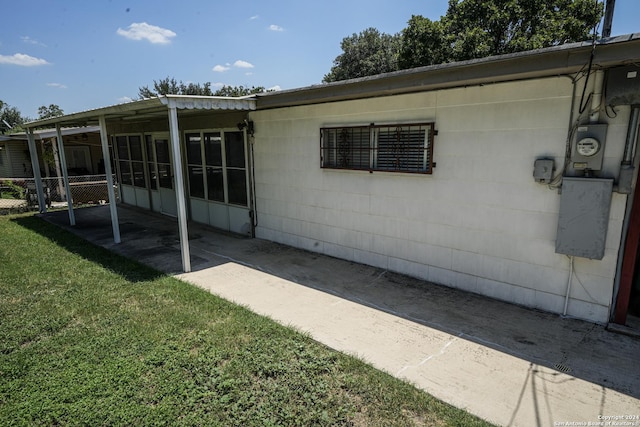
<point x="35" y="165"/>
<point x="115" y="225"/>
<point x="180" y="192"/>
<point x="65" y="175"/>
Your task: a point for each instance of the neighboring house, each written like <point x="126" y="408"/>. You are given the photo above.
<point x="82" y="150"/>
<point x="511" y="176"/>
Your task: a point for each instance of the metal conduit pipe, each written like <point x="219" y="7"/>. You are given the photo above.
<point x="632" y="134"/>
<point x="625" y="176"/>
<point x="596" y="99"/>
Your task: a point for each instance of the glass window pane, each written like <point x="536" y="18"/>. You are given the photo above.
<point x="194" y="155"/>
<point x="237" y="186"/>
<point x="138" y="174"/>
<point x="213" y="148"/>
<point x="234" y="146"/>
<point x="125" y="173"/>
<point x="162" y="151"/>
<point x="215" y="184"/>
<point x="196" y="181"/>
<point x="402" y="148"/>
<point x="123" y="150"/>
<point x="135" y="145"/>
<point x="164" y="176"/>
<point x="348" y="148"/>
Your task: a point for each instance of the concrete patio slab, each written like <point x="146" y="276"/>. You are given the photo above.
<point x="507" y="364"/>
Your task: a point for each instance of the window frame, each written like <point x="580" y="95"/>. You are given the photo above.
<point x="373" y="148"/>
<point x="225" y="168"/>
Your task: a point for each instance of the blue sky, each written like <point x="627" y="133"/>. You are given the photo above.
<point x="84" y="54"/>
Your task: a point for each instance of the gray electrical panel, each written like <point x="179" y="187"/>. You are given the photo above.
<point x="623" y="85"/>
<point x="584" y="217"/>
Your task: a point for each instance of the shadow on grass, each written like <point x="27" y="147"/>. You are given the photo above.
<point x="129" y="269"/>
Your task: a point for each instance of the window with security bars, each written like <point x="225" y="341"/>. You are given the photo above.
<point x="393" y="148"/>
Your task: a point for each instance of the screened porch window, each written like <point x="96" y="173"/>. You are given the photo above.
<point x="131" y="160"/>
<point x="217" y="167"/>
<point x="392" y="148"/>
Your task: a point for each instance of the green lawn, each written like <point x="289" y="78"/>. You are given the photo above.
<point x="88" y="337"/>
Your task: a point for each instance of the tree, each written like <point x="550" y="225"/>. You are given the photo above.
<point x="480" y="28"/>
<point x="365" y="54"/>
<point x="170" y="86"/>
<point x="10" y="118"/>
<point x="423" y="43"/>
<point x="239" y="90"/>
<point x="52" y="110"/>
<point x="470" y="29"/>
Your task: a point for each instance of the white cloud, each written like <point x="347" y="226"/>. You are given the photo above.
<point x="220" y="68"/>
<point x="274" y="88"/>
<point x="124" y="100"/>
<point x="22" y="60"/>
<point x="254" y="17"/>
<point x="58" y="85"/>
<point x="29" y="40"/>
<point x="273" y="27"/>
<point x="242" y="64"/>
<point x="218" y="85"/>
<point x="144" y="31"/>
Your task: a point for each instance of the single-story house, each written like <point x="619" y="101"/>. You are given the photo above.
<point x="512" y="176"/>
<point x="81" y="145"/>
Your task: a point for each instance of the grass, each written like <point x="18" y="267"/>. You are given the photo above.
<point x="88" y="337"/>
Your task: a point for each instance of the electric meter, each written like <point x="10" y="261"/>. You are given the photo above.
<point x="588" y="147"/>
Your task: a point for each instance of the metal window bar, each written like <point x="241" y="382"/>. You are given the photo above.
<point x="395" y="148"/>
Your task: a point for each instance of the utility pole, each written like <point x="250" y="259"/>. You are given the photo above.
<point x="608" y="18"/>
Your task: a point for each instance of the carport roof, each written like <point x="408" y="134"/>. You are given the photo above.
<point x="49" y="133"/>
<point x="147" y="109"/>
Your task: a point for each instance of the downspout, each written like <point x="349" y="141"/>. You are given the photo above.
<point x="252" y="185"/>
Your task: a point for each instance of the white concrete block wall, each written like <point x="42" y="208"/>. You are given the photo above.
<point x="478" y="223"/>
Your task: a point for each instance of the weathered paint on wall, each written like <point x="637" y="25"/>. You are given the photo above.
<point x="479" y="223"/>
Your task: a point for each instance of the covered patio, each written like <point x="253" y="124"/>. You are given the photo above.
<point x="161" y="163"/>
<point x="505" y="363"/>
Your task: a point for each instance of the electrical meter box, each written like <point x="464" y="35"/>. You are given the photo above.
<point x="623" y="85"/>
<point x="588" y="147"/>
<point x="584" y="217"/>
<point x="543" y="170"/>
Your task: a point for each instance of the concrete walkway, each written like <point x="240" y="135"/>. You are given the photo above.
<point x="507" y="364"/>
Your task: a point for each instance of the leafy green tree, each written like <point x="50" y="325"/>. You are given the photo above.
<point x="239" y="90"/>
<point x="424" y="42"/>
<point x="10" y="118"/>
<point x="470" y="29"/>
<point x="370" y="52"/>
<point x="52" y="110"/>
<point x="480" y="28"/>
<point x="170" y="86"/>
